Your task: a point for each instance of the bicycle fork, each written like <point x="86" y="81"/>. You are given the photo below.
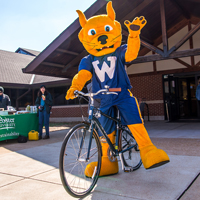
<point x="82" y="142"/>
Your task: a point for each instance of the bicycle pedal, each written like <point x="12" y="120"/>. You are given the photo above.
<point x="127" y="169"/>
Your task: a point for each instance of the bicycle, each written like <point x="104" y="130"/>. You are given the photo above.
<point x="82" y="145"/>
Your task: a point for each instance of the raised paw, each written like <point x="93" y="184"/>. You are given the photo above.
<point x="136" y="25"/>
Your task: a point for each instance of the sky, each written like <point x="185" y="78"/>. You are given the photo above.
<point x="35" y="24"/>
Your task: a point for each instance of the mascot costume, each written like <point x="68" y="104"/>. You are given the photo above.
<point x="101" y="37"/>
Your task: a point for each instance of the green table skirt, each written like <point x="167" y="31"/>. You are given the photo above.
<point x="11" y="126"/>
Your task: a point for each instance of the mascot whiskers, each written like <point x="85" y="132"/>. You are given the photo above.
<point x="101" y="37"/>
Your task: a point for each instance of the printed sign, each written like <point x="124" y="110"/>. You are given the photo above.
<point x="7" y="123"/>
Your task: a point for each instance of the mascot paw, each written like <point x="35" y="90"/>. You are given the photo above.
<point x="70" y="94"/>
<point x="135" y="27"/>
<point x="107" y="167"/>
<point x="153" y="157"/>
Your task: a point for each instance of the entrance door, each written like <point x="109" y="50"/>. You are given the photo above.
<point x="187" y="99"/>
<point x="171" y="97"/>
<point x="179" y="96"/>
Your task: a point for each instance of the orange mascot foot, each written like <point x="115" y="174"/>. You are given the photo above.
<point x="107" y="167"/>
<point x="153" y="157"/>
<point x="150" y="155"/>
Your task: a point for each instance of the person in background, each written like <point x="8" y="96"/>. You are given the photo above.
<point x="198" y="92"/>
<point x="44" y="103"/>
<point x="4" y="99"/>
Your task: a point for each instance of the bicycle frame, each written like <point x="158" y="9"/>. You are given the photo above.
<point x="83" y="145"/>
<point x="94" y="121"/>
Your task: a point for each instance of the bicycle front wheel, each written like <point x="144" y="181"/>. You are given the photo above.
<point x="79" y="148"/>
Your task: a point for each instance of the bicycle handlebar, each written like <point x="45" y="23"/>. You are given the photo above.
<point x="103" y="91"/>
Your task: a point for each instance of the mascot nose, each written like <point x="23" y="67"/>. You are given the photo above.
<point x="103" y="39"/>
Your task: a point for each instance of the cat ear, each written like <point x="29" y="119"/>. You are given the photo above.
<point x="110" y="10"/>
<point x="82" y="18"/>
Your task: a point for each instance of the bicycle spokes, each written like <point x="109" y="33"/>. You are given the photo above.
<point x="74" y="158"/>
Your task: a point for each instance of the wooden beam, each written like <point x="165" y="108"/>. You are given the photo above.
<point x="146" y="39"/>
<point x="179" y="54"/>
<point x="198" y="64"/>
<point x="137" y="9"/>
<point x="185" y="38"/>
<point x="194" y="20"/>
<point x="170" y="32"/>
<point x="154" y="63"/>
<point x="74" y="61"/>
<point x="164" y="29"/>
<point x="145" y="44"/>
<point x="182" y="62"/>
<point x="152" y="48"/>
<point x="171" y="71"/>
<point x="53" y="64"/>
<point x="191" y="43"/>
<point x="67" y="52"/>
<point x="181" y="9"/>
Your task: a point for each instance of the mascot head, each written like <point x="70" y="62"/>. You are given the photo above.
<point x="100" y="35"/>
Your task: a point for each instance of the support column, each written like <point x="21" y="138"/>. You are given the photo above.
<point x="154" y="63"/>
<point x="164" y="29"/>
<point x="33" y="96"/>
<point x="17" y="103"/>
<point x="191" y="43"/>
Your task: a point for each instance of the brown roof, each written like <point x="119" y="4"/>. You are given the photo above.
<point x="61" y="58"/>
<point x="11" y="65"/>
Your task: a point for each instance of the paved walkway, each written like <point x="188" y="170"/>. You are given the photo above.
<point x="30" y="170"/>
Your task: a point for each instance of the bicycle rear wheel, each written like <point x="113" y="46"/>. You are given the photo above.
<point x="73" y="160"/>
<point x="131" y="157"/>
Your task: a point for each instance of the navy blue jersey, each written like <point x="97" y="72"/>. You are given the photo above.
<point x="107" y="70"/>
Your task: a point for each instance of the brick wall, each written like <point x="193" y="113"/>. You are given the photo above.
<point x="68" y="111"/>
<point x="156" y="109"/>
<point x="151" y="88"/>
<point x="148" y="87"/>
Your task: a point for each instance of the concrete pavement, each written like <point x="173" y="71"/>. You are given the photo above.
<point x="30" y="170"/>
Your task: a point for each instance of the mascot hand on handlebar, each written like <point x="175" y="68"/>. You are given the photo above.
<point x="101" y="36"/>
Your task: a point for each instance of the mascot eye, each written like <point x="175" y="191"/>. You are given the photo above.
<point x="108" y="28"/>
<point x="92" y="32"/>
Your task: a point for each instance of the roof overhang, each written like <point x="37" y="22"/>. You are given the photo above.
<point x="70" y="34"/>
<point x="164" y="18"/>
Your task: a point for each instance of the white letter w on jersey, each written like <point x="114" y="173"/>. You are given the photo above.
<point x="105" y="68"/>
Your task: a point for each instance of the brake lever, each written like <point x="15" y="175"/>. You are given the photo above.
<point x="113" y="93"/>
<point x="110" y="93"/>
<point x="76" y="94"/>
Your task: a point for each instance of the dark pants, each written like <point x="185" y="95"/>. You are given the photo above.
<point x="43" y="119"/>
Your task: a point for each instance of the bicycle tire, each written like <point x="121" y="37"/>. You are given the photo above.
<point x="131" y="158"/>
<point x="69" y="155"/>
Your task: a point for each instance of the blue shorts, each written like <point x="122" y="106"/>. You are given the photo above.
<point x="128" y="108"/>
